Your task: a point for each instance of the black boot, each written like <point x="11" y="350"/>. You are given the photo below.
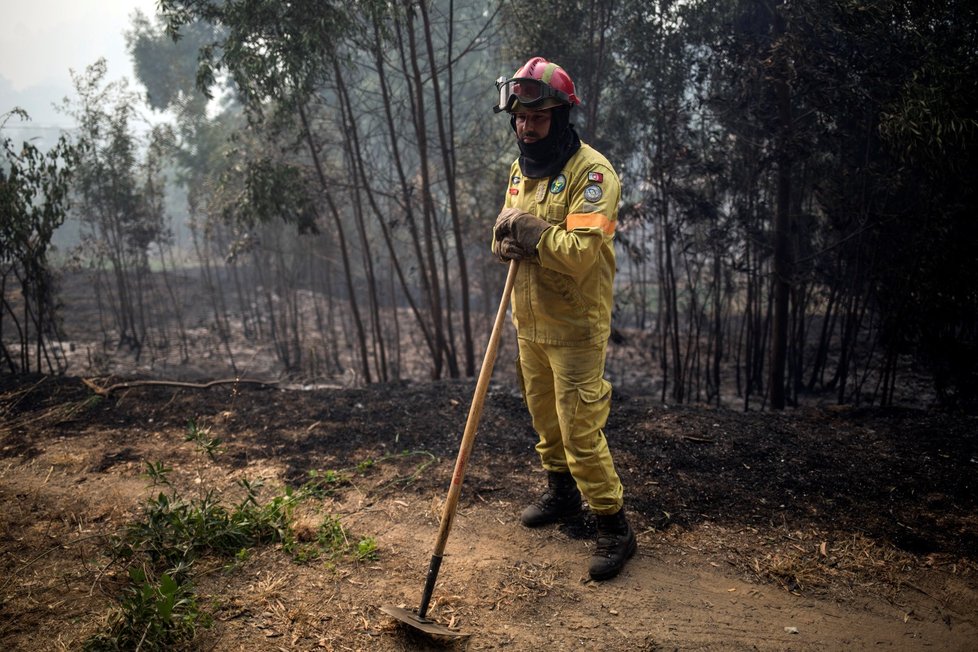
<point x="616" y="544"/>
<point x="561" y="500"/>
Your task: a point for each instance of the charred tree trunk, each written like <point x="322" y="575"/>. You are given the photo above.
<point x="782" y="272"/>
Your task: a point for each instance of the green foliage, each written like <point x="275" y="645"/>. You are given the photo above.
<point x="118" y="189"/>
<point x="158" y="609"/>
<point x="34" y="198"/>
<point x="34" y="202"/>
<point x="114" y="196"/>
<point x="366" y="549"/>
<point x="364" y="465"/>
<point x="210" y="446"/>
<point x="156" y="612"/>
<point x="331" y="534"/>
<point x="324" y="483"/>
<point x="168" y="67"/>
<point x="333" y="542"/>
<point x="157" y="472"/>
<point x="176" y="531"/>
<point x="271" y="49"/>
<point x="263" y="189"/>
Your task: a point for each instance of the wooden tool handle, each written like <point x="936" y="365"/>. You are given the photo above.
<point x="468" y="438"/>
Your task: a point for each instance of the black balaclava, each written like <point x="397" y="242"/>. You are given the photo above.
<point x="547" y="156"/>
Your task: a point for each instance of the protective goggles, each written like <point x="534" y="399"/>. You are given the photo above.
<point x="530" y="93"/>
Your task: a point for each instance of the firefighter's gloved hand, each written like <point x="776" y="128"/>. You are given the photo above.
<point x="504" y="224"/>
<point x="524" y="228"/>
<point x="508" y="249"/>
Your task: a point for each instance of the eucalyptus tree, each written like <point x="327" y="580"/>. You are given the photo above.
<point x="857" y="116"/>
<point x="34" y="202"/>
<point x="275" y="54"/>
<point x="117" y="189"/>
<point x="894" y="94"/>
<point x="797" y="175"/>
<point x="652" y="112"/>
<point x="343" y="79"/>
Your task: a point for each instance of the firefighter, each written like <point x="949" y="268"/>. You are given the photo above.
<point x="559" y="219"/>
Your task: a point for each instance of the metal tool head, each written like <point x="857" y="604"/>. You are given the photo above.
<point x="429" y="627"/>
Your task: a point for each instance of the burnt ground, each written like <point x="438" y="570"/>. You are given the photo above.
<point x="811" y="529"/>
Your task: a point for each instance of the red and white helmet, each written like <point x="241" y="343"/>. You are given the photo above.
<point x="539" y="84"/>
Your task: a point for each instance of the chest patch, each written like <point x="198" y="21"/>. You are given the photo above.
<point x="541" y="192"/>
<point x="558" y="184"/>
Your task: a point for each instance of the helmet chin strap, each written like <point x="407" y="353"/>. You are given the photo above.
<point x="547" y="156"/>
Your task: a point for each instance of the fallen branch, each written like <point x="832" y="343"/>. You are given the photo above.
<point x="107" y="391"/>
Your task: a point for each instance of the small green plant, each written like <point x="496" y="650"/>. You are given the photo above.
<point x="210" y="446"/>
<point x="331" y="535"/>
<point x="366" y="550"/>
<point x="363" y="466"/>
<point x="158" y="609"/>
<point x="157" y="473"/>
<point x="324" y="483"/>
<point x="155" y="613"/>
<point x="333" y="542"/>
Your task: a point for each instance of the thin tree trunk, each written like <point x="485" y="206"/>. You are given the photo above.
<point x="406" y="205"/>
<point x="782" y="273"/>
<point x="447" y="152"/>
<point x="352" y="152"/>
<point x="344" y="253"/>
<point x="217" y="299"/>
<point x="427" y="203"/>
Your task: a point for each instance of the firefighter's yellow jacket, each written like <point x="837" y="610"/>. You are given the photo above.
<point x="565" y="298"/>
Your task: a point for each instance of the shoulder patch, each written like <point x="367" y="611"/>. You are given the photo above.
<point x="593" y="193"/>
<point x="515" y="180"/>
<point x="596" y="177"/>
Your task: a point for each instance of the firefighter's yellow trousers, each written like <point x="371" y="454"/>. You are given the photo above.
<point x="569" y="401"/>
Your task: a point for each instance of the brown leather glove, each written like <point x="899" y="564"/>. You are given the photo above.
<point x="524" y="228"/>
<point x="508" y="249"/>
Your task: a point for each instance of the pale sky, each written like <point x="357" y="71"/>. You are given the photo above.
<point x="40" y="40"/>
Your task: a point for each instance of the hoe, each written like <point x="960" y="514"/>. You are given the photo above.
<point x="418" y="620"/>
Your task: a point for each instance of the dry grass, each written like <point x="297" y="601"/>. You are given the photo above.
<point x="51" y="415"/>
<point x="815" y="561"/>
<point x="526" y="583"/>
<point x="818" y="562"/>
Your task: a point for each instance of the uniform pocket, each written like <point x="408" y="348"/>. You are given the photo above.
<point x="595" y="392"/>
<point x="562" y="313"/>
<point x="556" y="213"/>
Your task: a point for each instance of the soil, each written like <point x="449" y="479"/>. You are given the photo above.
<point x="811" y="529"/>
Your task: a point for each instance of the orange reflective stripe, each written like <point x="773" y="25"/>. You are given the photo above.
<point x="590" y="221"/>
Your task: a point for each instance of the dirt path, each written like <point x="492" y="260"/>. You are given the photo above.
<point x="519" y="589"/>
<point x="709" y="575"/>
